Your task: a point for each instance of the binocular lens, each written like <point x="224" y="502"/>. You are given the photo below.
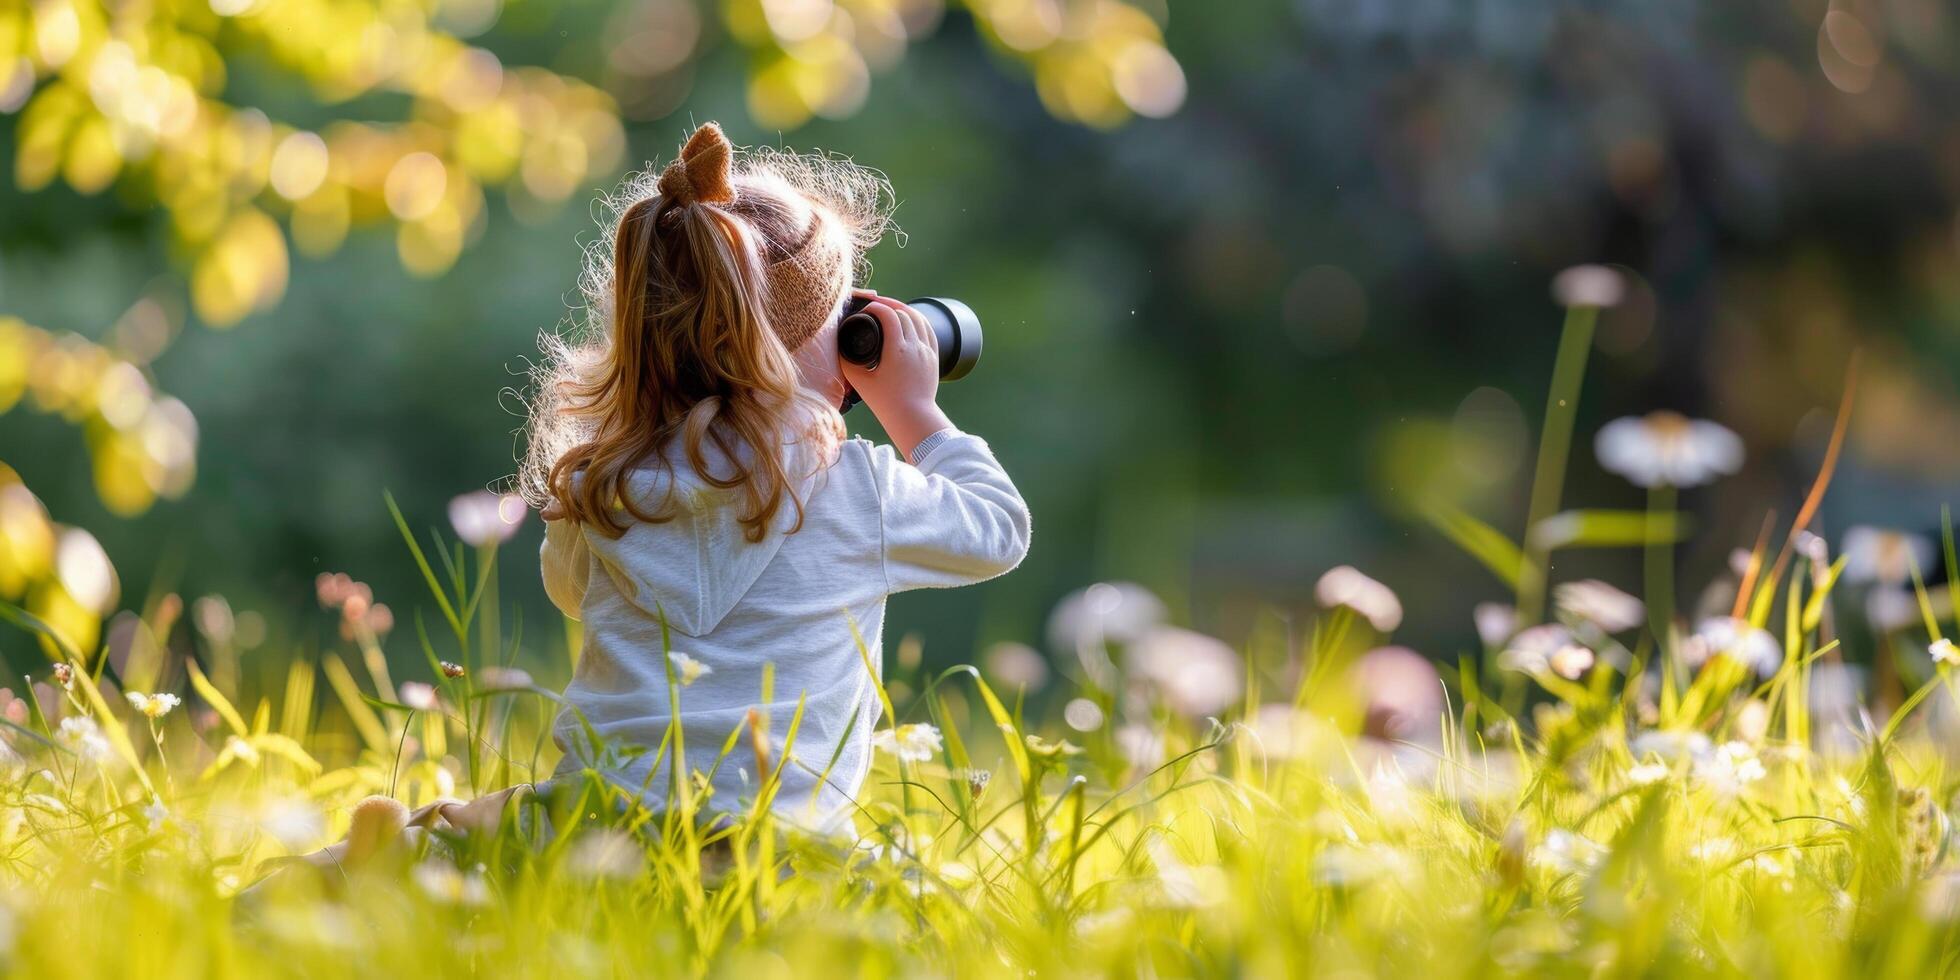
<point x="860" y="340"/>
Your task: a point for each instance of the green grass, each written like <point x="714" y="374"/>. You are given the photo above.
<point x="1644" y="817"/>
<point x="1538" y="846"/>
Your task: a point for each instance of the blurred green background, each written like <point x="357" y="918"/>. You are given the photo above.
<point x="1240" y="310"/>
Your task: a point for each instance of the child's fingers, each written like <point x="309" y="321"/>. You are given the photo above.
<point x="890" y="321"/>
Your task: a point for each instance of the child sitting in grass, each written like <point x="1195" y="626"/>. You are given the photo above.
<point x="706" y="515"/>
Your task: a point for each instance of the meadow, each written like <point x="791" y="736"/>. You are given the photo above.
<point x="1576" y="799"/>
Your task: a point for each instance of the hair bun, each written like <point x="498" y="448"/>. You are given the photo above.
<point x="701" y="174"/>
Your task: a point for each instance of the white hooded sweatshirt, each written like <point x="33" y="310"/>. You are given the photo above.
<point x="873" y="525"/>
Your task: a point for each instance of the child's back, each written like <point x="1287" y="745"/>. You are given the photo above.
<point x="748" y="560"/>
<point x="872" y="525"/>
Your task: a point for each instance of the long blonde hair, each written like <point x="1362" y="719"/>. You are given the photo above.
<point x="678" y="339"/>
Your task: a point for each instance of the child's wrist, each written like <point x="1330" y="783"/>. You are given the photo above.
<point x="913" y="423"/>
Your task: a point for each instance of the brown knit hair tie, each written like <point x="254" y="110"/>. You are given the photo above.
<point x="808" y="284"/>
<point x="702" y="173"/>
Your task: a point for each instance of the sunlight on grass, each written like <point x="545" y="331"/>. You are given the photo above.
<point x="1607" y="790"/>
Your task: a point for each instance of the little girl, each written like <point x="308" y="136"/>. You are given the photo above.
<point x="705" y="515"/>
<point x="691" y="462"/>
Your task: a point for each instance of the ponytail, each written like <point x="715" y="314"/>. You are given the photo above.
<point x="692" y="353"/>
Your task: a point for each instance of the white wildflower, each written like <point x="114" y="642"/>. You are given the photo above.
<point x="418" y="695"/>
<point x="1102" y="614"/>
<point x="1589" y="285"/>
<point x="1017" y="665"/>
<point x="1375" y="602"/>
<point x="687" y="668"/>
<point x="1751" y="721"/>
<point x="1566" y="852"/>
<point x="1400" y="694"/>
<point x="1571" y="661"/>
<point x="1601" y="605"/>
<point x="1668" y="449"/>
<point x="1890" y="609"/>
<point x="1729" y="769"/>
<point x="1496" y="621"/>
<point x="1648" y="773"/>
<point x="156" y="813"/>
<point x="1813" y="547"/>
<point x="84" y="737"/>
<point x="1874" y="554"/>
<point x="1944" y="652"/>
<point x="1196" y="675"/>
<point x="912" y="743"/>
<point x="1755" y="648"/>
<point x="482" y="518"/>
<point x="1083" y="715"/>
<point x="153" y="705"/>
<point x="1531" y="651"/>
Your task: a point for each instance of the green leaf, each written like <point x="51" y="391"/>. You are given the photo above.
<point x="1481" y="541"/>
<point x="1608" y="529"/>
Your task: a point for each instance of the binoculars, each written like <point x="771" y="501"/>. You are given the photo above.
<point x="860" y="339"/>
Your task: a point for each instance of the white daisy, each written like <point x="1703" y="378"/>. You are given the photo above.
<point x="1083" y="715"/>
<point x="912" y="743"/>
<point x="1565" y="852"/>
<point x="1017" y="665"/>
<point x="1589" y="285"/>
<point x="1756" y="648"/>
<point x="1944" y="652"/>
<point x="1195" y="674"/>
<point x="1571" y="661"/>
<point x="687" y="668"/>
<point x="483" y="518"/>
<point x="1400" y="694"/>
<point x="1601" y="605"/>
<point x="152" y="705"/>
<point x="1874" y="554"/>
<point x="1531" y="650"/>
<point x="1105" y="613"/>
<point x="1889" y="609"/>
<point x="1729" y="768"/>
<point x="84" y="737"/>
<point x="1344" y="586"/>
<point x="1496" y="621"/>
<point x="418" y="695"/>
<point x="1668" y="449"/>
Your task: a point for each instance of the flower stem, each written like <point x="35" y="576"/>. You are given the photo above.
<point x="1554" y="449"/>
<point x="1660" y="568"/>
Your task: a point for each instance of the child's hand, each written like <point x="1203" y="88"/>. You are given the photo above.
<point x="903" y="389"/>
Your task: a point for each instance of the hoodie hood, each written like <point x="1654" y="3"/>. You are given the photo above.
<point x="694" y="568"/>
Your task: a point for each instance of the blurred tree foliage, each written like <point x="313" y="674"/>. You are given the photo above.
<point x="1224" y="345"/>
<point x="232" y="127"/>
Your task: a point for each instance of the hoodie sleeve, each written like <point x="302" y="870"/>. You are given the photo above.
<point x="950" y="517"/>
<point x="566" y="565"/>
